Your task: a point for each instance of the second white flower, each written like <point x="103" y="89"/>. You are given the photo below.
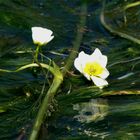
<point x="93" y="67"/>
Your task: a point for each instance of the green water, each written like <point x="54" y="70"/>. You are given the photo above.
<point x="80" y="111"/>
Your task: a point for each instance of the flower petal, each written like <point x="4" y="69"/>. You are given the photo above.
<point x="41" y="35"/>
<point x="41" y="30"/>
<point x="98" y="57"/>
<point x="87" y="76"/>
<point x="49" y="39"/>
<point x="80" y="61"/>
<point x="104" y="74"/>
<point x="78" y="65"/>
<point x="83" y="57"/>
<point x="103" y="60"/>
<point x="99" y="82"/>
<point x="97" y="53"/>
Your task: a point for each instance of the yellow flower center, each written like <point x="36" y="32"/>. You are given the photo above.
<point x="93" y="69"/>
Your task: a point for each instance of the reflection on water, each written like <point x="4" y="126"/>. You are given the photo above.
<point x="94" y="110"/>
<point x="110" y="118"/>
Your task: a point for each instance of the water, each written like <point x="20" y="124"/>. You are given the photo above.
<point x="80" y="110"/>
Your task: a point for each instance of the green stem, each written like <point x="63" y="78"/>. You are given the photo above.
<point x="36" y="53"/>
<point x="51" y="69"/>
<point x="57" y="82"/>
<point x="132" y="5"/>
<point x="44" y="106"/>
<point x="78" y="40"/>
<point x="123" y="35"/>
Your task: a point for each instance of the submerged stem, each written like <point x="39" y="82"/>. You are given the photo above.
<point x="78" y="40"/>
<point x="132" y="5"/>
<point x="121" y="34"/>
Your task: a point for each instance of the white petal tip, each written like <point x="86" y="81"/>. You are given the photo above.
<point x="99" y="82"/>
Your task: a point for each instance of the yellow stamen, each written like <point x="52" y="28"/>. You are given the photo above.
<point x="93" y="69"/>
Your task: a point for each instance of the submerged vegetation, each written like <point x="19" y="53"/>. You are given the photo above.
<point x="42" y="95"/>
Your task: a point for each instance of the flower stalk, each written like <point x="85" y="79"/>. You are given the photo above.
<point x="36" y="53"/>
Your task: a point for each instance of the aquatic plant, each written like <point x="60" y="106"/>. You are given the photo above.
<point x="42" y="95"/>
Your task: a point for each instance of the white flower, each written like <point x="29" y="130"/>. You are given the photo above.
<point x="93" y="67"/>
<point x="41" y="36"/>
